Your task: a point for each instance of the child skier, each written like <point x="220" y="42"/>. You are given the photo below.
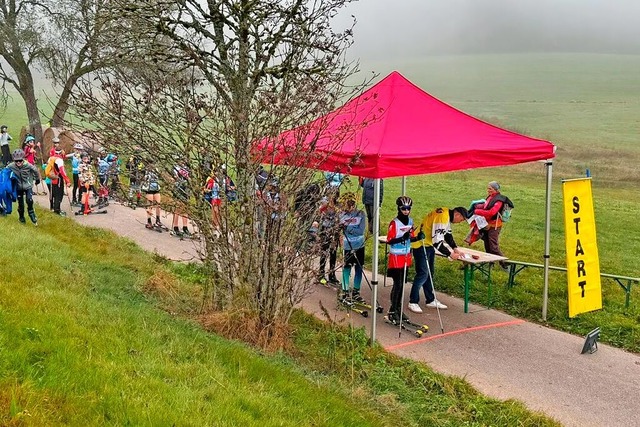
<point x="181" y="199"/>
<point x="353" y="222"/>
<point x="399" y="238"/>
<point x="86" y="182"/>
<point x="151" y="189"/>
<point x="26" y="174"/>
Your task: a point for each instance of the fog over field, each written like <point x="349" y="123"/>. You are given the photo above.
<point x="388" y="29"/>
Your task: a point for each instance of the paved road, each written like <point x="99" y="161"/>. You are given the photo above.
<point x="500" y="355"/>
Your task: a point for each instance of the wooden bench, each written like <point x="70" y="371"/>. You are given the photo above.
<point x="625" y="282"/>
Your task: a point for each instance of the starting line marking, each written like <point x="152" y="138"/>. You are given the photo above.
<point x="456" y="332"/>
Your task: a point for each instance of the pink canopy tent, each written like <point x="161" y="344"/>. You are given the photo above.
<point x="396" y="129"/>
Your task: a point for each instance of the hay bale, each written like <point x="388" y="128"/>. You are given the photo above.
<point x="47" y="138"/>
<point x="69" y="138"/>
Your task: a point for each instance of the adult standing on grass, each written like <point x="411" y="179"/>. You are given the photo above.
<point x="399" y="238"/>
<point x="4" y="144"/>
<point x="367" y="185"/>
<point x="436" y="226"/>
<point x="491" y="210"/>
<point x="26" y="175"/>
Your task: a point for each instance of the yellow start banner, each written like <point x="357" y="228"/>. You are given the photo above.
<point x="583" y="265"/>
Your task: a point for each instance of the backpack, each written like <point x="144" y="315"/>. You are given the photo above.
<point x="507" y="206"/>
<point x="50" y="170"/>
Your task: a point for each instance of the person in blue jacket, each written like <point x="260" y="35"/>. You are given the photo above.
<point x="26" y="175"/>
<point x="353" y="223"/>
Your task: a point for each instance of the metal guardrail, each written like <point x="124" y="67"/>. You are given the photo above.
<point x="625" y="282"/>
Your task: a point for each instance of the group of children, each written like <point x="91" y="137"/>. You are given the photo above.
<point x="341" y="223"/>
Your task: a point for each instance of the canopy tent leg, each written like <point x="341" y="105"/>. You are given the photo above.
<point x="547" y="237"/>
<point x="374" y="267"/>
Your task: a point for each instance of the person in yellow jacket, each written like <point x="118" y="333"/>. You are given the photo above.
<point x="436" y="226"/>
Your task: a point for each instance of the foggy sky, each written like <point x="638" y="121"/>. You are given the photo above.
<point x="410" y="28"/>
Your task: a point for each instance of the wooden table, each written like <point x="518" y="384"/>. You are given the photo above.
<point x="477" y="260"/>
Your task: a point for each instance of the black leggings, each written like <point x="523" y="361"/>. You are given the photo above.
<point x="399" y="275"/>
<point x="74" y="194"/>
<point x="22" y="195"/>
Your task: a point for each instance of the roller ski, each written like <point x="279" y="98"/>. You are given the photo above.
<point x="358" y="301"/>
<point x="416" y="329"/>
<point x="85" y="209"/>
<point x="157" y="226"/>
<point x="345" y="302"/>
<point x="91" y="212"/>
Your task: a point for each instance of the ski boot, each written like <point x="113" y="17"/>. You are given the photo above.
<point x="160" y="226"/>
<point x="356" y="297"/>
<point x="186" y="232"/>
<point x="22" y="220"/>
<point x="345" y="299"/>
<point x="149" y="225"/>
<point x="392" y="317"/>
<point x="33" y="218"/>
<point x="333" y="279"/>
<point x="176" y="232"/>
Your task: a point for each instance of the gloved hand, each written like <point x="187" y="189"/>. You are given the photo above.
<point x="406" y="236"/>
<point x="421" y="236"/>
<point x="37" y="181"/>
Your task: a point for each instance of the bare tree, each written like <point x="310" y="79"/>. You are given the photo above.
<point x="84" y="37"/>
<point x="21" y="46"/>
<point x="216" y="77"/>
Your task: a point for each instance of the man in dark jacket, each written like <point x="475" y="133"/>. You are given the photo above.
<point x="367" y="198"/>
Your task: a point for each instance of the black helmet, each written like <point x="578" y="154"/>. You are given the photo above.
<point x="404" y="201"/>
<point x="18" y="154"/>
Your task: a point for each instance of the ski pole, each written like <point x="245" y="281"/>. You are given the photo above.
<point x="433" y="287"/>
<point x="404" y="278"/>
<point x="366" y="279"/>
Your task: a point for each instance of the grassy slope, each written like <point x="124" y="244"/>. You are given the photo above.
<point x="82" y="344"/>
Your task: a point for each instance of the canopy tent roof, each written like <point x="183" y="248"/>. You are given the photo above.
<point x="397" y="129"/>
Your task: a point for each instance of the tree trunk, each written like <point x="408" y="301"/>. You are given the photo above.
<point x="62" y="106"/>
<point x="27" y="92"/>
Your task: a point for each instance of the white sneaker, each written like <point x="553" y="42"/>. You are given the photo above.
<point x="437" y="304"/>
<point x="414" y="307"/>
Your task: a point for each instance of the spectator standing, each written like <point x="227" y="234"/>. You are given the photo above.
<point x="491" y="210"/>
<point x="368" y="194"/>
<point x="4" y="145"/>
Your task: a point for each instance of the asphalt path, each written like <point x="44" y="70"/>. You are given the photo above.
<point x="502" y="356"/>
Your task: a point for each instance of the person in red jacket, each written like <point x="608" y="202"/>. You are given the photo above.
<point x="58" y="180"/>
<point x="491" y="210"/>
